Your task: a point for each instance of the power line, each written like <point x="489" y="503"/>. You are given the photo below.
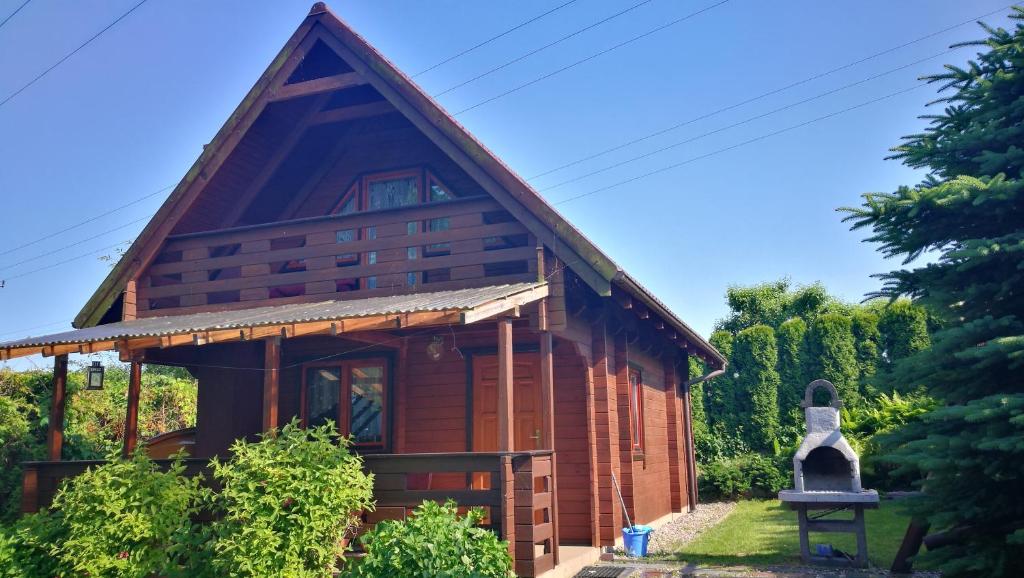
<point x="33" y="327"/>
<point x="58" y="263"/>
<point x="493" y="38"/>
<point x="72" y="53"/>
<point x="543" y="48"/>
<point x="766" y="94"/>
<point x="741" y="144"/>
<point x="591" y="57"/>
<point x="75" y="244"/>
<point x="744" y="121"/>
<point x="12" y="14"/>
<point x="85" y="222"/>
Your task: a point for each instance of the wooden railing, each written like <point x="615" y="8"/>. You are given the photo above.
<point x="429" y="247"/>
<point x="516" y="488"/>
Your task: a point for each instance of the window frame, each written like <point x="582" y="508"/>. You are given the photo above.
<point x="345" y="397"/>
<point x="636" y="407"/>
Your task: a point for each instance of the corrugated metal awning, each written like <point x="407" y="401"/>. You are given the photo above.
<point x="442" y="307"/>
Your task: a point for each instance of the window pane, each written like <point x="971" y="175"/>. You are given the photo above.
<point x="435" y="226"/>
<point x="634" y="407"/>
<point x="323" y="390"/>
<point x="439" y="193"/>
<point x="367" y="409"/>
<point x="393" y="193"/>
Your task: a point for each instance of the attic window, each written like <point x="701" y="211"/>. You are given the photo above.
<point x="392" y="190"/>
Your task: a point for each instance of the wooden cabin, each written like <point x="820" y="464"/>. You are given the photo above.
<point x="345" y="250"/>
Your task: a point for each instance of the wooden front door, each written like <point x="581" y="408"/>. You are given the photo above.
<point x="525" y="397"/>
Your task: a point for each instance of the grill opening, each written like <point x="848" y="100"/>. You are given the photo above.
<point x="826" y="469"/>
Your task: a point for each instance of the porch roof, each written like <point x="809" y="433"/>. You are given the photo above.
<point x="322" y="317"/>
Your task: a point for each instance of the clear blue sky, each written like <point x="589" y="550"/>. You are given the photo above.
<point x="129" y="114"/>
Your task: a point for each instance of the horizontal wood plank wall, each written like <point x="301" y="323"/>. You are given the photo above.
<point x="229" y="404"/>
<point x="571" y="446"/>
<point x="296" y="261"/>
<point x="648" y="483"/>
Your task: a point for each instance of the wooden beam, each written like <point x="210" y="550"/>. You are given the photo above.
<point x="55" y="431"/>
<point x="504" y="305"/>
<point x="317" y="86"/>
<point x="271" y="377"/>
<point x="354" y="112"/>
<point x="267" y="170"/>
<point x="131" y="420"/>
<point x="506" y="423"/>
<point x="691" y="461"/>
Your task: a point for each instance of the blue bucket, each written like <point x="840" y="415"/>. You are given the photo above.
<point x="635" y="540"/>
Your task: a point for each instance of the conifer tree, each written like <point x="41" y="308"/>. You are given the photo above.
<point x="969" y="211"/>
<point x="792" y="380"/>
<point x="755" y="356"/>
<point x="831" y="354"/>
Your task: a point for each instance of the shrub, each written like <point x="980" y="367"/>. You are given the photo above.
<point x="26" y="547"/>
<point x="833" y="356"/>
<point x="434" y="541"/>
<point x="287" y="503"/>
<point x="755" y="356"/>
<point x="120" y="517"/>
<point x="745" y="476"/>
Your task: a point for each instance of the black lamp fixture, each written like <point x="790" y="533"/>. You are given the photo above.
<point x="94" y="376"/>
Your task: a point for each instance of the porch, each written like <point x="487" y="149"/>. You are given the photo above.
<point x="518" y="493"/>
<point x="454" y="400"/>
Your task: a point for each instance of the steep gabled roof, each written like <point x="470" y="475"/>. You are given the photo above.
<point x="518" y="197"/>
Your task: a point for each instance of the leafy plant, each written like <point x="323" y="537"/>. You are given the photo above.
<point x="288" y="503"/>
<point x="755" y="355"/>
<point x="26" y="546"/>
<point x="119" y="518"/>
<point x="745" y="476"/>
<point x="434" y="541"/>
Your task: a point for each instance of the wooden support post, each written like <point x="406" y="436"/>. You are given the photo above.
<point x="55" y="432"/>
<point x="271" y="377"/>
<point x="691" y="459"/>
<point x="677" y="467"/>
<point x="401" y="394"/>
<point x="547" y="396"/>
<point x="506" y="423"/>
<point x="131" y="420"/>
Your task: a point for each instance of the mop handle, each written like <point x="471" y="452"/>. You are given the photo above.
<point x="625" y="512"/>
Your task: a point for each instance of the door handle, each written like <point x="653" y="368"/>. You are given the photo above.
<point x="536" y="439"/>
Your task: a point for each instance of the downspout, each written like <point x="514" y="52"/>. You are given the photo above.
<point x="691" y="454"/>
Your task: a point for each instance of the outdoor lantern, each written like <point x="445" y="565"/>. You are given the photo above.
<point x="94" y="376"/>
<point x="435" y="349"/>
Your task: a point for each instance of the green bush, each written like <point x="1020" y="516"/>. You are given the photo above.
<point x="434" y="541"/>
<point x="287" y="503"/>
<point x="755" y="356"/>
<point x="26" y="547"/>
<point x="833" y="356"/>
<point x="120" y="518"/>
<point x="745" y="476"/>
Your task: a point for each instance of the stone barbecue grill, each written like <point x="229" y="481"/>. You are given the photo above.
<point x="826" y="476"/>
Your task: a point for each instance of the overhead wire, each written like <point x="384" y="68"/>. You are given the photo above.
<point x="591" y="57"/>
<point x="543" y="48"/>
<point x="13" y="14"/>
<point x="72" y="53"/>
<point x="506" y="32"/>
<point x="741" y="144"/>
<point x="742" y="122"/>
<point x="75" y="244"/>
<point x="772" y="92"/>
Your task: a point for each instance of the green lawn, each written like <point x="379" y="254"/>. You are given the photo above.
<point x="760" y="533"/>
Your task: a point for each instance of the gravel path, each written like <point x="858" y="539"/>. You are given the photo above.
<point x="671" y="536"/>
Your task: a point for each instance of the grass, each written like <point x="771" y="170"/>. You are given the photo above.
<point x="764" y="533"/>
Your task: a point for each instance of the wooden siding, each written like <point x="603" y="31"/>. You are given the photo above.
<point x="571" y="446"/>
<point x="297" y="261"/>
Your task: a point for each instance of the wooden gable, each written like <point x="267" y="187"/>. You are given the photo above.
<point x="326" y="113"/>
